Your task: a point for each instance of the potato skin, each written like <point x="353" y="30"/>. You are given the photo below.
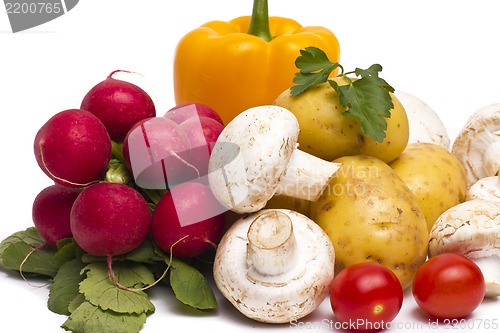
<point x="326" y="133"/>
<point x="371" y="215"/>
<point x="434" y="175"/>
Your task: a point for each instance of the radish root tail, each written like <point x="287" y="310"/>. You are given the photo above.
<point x="21" y="265"/>
<point x="185" y="162"/>
<point x="115" y="281"/>
<point x="147" y="83"/>
<point x="59" y="178"/>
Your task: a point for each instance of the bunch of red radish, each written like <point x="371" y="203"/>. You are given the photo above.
<point x="168" y="154"/>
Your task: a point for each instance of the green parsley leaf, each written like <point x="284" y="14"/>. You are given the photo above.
<point x="65" y="287"/>
<point x="367" y="99"/>
<point x="100" y="291"/>
<point x="315" y="68"/>
<point x="88" y="318"/>
<point x="372" y="72"/>
<point x="190" y="286"/>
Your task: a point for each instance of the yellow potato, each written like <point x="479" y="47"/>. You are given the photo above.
<point x="371" y="215"/>
<point x="326" y="133"/>
<point x="434" y="175"/>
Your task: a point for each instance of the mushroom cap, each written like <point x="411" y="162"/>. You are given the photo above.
<point x="478" y="144"/>
<point x="250" y="155"/>
<point x="485" y="189"/>
<point x="278" y="298"/>
<point x="471" y="228"/>
<point x="425" y="124"/>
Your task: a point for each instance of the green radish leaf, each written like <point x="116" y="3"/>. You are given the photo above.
<point x="100" y="290"/>
<point x="40" y="262"/>
<point x="190" y="286"/>
<point x="30" y="236"/>
<point x="65" y="287"/>
<point x="67" y="249"/>
<point x="88" y="318"/>
<point x="76" y="302"/>
<point x="145" y="253"/>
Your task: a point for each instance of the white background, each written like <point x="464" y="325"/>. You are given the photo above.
<point x="445" y="52"/>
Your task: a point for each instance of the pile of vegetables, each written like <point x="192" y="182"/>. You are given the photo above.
<point x="112" y="225"/>
<point x="326" y="185"/>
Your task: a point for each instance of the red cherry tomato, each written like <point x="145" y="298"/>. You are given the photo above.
<point x="449" y="286"/>
<point x="367" y="296"/>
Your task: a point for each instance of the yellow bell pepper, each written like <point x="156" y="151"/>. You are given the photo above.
<point x="246" y="62"/>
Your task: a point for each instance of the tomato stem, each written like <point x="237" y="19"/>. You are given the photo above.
<point x="259" y="24"/>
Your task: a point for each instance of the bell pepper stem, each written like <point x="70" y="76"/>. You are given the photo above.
<point x="259" y="23"/>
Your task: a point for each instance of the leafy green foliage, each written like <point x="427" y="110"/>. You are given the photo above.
<point x="90" y="318"/>
<point x="67" y="249"/>
<point x="366" y="97"/>
<point x="190" y="286"/>
<point x="83" y="290"/>
<point x="15" y="248"/>
<point x="145" y="253"/>
<point x="368" y="100"/>
<point x="29" y="236"/>
<point x="76" y="302"/>
<point x="315" y="68"/>
<point x="100" y="291"/>
<point x="65" y="287"/>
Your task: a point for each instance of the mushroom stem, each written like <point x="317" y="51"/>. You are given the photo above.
<point x="256" y="152"/>
<point x="490" y="267"/>
<point x="306" y="176"/>
<point x="271" y="243"/>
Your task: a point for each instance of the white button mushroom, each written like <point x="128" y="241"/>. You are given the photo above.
<point x="274" y="266"/>
<point x="478" y="144"/>
<point x="471" y="228"/>
<point x="425" y="124"/>
<point x="256" y="157"/>
<point x="485" y="189"/>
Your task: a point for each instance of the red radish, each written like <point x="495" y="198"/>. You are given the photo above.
<point x="110" y="219"/>
<point x="73" y="148"/>
<point x="181" y="113"/>
<point x="155" y="150"/>
<point x="202" y="133"/>
<point x="51" y="210"/>
<point x="188" y="220"/>
<point x="119" y="105"/>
